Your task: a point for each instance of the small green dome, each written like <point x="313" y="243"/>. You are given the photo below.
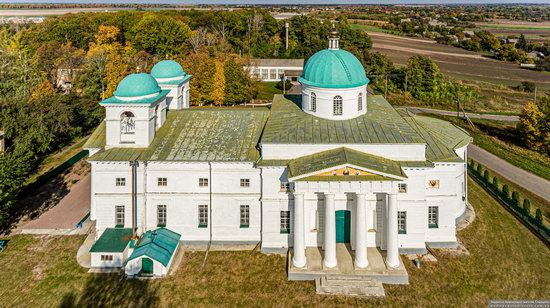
<point x="334" y="68"/>
<point x="167" y="69"/>
<point x="135" y="85"/>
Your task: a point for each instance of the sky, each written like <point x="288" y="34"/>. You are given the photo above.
<point x="284" y="1"/>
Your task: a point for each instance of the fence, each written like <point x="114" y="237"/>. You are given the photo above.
<point x="512" y="204"/>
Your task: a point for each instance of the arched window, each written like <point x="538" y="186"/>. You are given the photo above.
<point x="127" y="123"/>
<point x="313" y="102"/>
<point x="337" y="105"/>
<point x="360" y="102"/>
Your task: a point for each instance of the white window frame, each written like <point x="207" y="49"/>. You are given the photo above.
<point x="162" y="181"/>
<point x="161" y="215"/>
<point x="402" y="188"/>
<point x="120" y="216"/>
<point x="285" y="222"/>
<point x="245" y="216"/>
<point x="107" y="258"/>
<point x="203" y="215"/>
<point x="203" y="182"/>
<point x="402" y="222"/>
<point x="120" y="182"/>
<point x="433" y="217"/>
<point x="337" y="106"/>
<point x="313" y="102"/>
<point x="245" y="183"/>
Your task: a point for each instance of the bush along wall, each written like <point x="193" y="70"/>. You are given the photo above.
<point x="511" y="202"/>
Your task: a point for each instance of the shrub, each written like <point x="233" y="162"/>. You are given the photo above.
<point x="506" y="190"/>
<point x="486" y="174"/>
<point x="515" y="197"/>
<point x="470" y="162"/>
<point x="480" y="169"/>
<point x="288" y="85"/>
<point x="527" y="86"/>
<point x="495" y="182"/>
<point x="527" y="206"/>
<point x="538" y="216"/>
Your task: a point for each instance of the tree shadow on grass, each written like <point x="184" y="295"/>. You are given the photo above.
<point x="107" y="290"/>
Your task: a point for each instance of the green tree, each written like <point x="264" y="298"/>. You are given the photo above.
<point x="237" y="89"/>
<point x="529" y="126"/>
<point x="522" y="43"/>
<point x="203" y="69"/>
<point x="495" y="182"/>
<point x="424" y="77"/>
<point x="527" y="206"/>
<point x="161" y="35"/>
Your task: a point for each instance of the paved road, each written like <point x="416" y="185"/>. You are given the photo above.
<point x="527" y="180"/>
<point x="495" y="117"/>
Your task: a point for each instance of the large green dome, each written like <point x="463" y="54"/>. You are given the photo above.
<point x="334" y="68"/>
<point x="135" y="85"/>
<point x="167" y="69"/>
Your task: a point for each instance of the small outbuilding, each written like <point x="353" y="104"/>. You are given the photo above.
<point x="112" y="248"/>
<point x="153" y="254"/>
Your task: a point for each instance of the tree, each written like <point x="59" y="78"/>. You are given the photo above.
<point x="424" y="77"/>
<point x="522" y="43"/>
<point x="218" y="94"/>
<point x="203" y="69"/>
<point x="495" y="182"/>
<point x="236" y="83"/>
<point x="538" y="216"/>
<point x="527" y="206"/>
<point x="161" y="35"/>
<point x="529" y="125"/>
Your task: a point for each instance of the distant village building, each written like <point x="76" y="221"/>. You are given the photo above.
<point x="333" y="169"/>
<point x="535" y="55"/>
<point x="65" y="79"/>
<point x="270" y="70"/>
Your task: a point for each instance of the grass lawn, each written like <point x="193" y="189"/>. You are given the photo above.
<point x="506" y="262"/>
<point x="267" y="90"/>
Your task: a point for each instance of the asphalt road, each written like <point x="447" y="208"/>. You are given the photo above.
<point x="518" y="176"/>
<point x="495" y="117"/>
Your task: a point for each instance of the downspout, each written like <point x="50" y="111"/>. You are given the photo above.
<point x="144" y="227"/>
<point x="261" y="202"/>
<point x="133" y="167"/>
<point x="134" y="200"/>
<point x="210" y="207"/>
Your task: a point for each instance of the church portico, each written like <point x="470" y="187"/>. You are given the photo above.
<point x="332" y="218"/>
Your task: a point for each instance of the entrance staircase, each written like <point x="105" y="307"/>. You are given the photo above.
<point x="359" y="286"/>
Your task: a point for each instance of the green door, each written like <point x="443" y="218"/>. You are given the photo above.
<point x="146" y="266"/>
<point x="343" y="226"/>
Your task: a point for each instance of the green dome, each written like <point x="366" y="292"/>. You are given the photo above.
<point x="334" y="68"/>
<point x="167" y="69"/>
<point x="135" y="85"/>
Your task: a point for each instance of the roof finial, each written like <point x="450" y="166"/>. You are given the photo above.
<point x="333" y="38"/>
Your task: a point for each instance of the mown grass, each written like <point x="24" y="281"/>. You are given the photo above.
<point x="267" y="90"/>
<point x="506" y="262"/>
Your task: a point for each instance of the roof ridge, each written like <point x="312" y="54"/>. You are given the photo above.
<point x="346" y="69"/>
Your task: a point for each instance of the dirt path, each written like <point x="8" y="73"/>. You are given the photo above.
<point x="518" y="176"/>
<point x="494" y="117"/>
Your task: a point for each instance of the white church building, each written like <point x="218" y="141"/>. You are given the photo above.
<point x="330" y="167"/>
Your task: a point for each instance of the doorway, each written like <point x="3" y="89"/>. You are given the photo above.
<point x="343" y="226"/>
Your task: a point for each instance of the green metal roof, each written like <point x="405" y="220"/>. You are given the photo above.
<point x="343" y="156"/>
<point x="137" y="85"/>
<point x="334" y="68"/>
<point x="158" y="245"/>
<point x="113" y="240"/>
<point x="97" y="138"/>
<point x="209" y="134"/>
<point x="442" y="137"/>
<point x="167" y="69"/>
<point x="145" y="101"/>
<point x="382" y="124"/>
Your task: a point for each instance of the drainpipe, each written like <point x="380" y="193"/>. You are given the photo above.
<point x="132" y="165"/>
<point x="144" y="227"/>
<point x="210" y="206"/>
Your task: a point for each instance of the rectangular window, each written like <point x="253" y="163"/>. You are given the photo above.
<point x="161" y="215"/>
<point x="402" y="187"/>
<point x="433" y="216"/>
<point x="285" y="187"/>
<point x="285" y="222"/>
<point x="402" y="222"/>
<point x="273" y="74"/>
<point x="120" y="181"/>
<point x="162" y="181"/>
<point x="265" y="73"/>
<point x="119" y="216"/>
<point x="203" y="216"/>
<point x="245" y="216"/>
<point x="245" y="182"/>
<point x="106" y="258"/>
<point x="203" y="182"/>
<point x="337" y="107"/>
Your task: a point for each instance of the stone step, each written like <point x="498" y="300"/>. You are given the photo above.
<point x="349" y="286"/>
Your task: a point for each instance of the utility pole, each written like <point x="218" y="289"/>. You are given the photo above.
<point x="386" y="88"/>
<point x="286" y="35"/>
<point x="535" y="94"/>
<point x="406" y="80"/>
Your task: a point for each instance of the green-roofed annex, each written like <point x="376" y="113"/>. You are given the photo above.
<point x="159" y="245"/>
<point x="113" y="240"/>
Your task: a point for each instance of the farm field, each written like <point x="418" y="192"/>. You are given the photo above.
<point x="533" y="31"/>
<point x="456" y="62"/>
<point x="506" y="261"/>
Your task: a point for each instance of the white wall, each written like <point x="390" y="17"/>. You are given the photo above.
<point x="273" y="73"/>
<point x="325" y="102"/>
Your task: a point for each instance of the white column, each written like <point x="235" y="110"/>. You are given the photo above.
<point x="392" y="257"/>
<point x="299" y="257"/>
<point x="330" y="231"/>
<point x="361" y="260"/>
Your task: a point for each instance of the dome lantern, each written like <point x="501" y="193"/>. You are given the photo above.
<point x="333" y="38"/>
